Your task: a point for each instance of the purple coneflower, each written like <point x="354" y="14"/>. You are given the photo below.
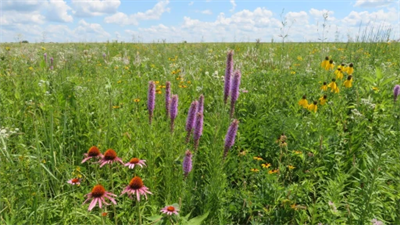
<point x="93" y="152"/>
<point x="198" y="130"/>
<point x="200" y="106"/>
<point x="173" y="110"/>
<point x="151" y="99"/>
<point x="137" y="187"/>
<point x="396" y="92"/>
<point x="235" y="90"/>
<point x="191" y="119"/>
<point x="74" y="181"/>
<point x="98" y="195"/>
<point x="169" y="210"/>
<point x="135" y="161"/>
<point x="187" y="163"/>
<point x="228" y="74"/>
<point x="167" y="96"/>
<point x="109" y="157"/>
<point x="51" y="63"/>
<point x="230" y="136"/>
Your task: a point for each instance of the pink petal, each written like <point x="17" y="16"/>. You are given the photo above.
<point x="93" y="204"/>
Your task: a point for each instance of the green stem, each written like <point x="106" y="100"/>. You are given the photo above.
<point x="138" y="209"/>
<point x="112" y="190"/>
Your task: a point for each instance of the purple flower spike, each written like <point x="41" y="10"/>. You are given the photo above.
<point x="235" y="90"/>
<point x="396" y="92"/>
<point x="167" y="96"/>
<point x="51" y="63"/>
<point x="198" y="130"/>
<point x="191" y="119"/>
<point x="151" y="99"/>
<point x="228" y="74"/>
<point x="45" y="57"/>
<point x="187" y="163"/>
<point x="173" y="110"/>
<point x="230" y="136"/>
<point x="200" y="107"/>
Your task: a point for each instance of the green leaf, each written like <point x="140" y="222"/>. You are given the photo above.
<point x="198" y="219"/>
<point x="378" y="73"/>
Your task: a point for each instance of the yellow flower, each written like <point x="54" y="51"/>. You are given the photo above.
<point x="348" y="83"/>
<point x="116" y="107"/>
<point x="291" y="167"/>
<point x="258" y="158"/>
<point x="243" y="153"/>
<point x="313" y="106"/>
<point x="341" y="67"/>
<point x="266" y="165"/>
<point x="8" y="48"/>
<point x="375" y="89"/>
<point x="333" y="86"/>
<point x="324" y="87"/>
<point x="339" y="74"/>
<point x="292" y="72"/>
<point x="283" y="144"/>
<point x="350" y="69"/>
<point x="293" y="206"/>
<point x="297" y="152"/>
<point x="189" y="82"/>
<point x="299" y="58"/>
<point x="322" y="100"/>
<point x="136" y="100"/>
<point x="330" y="65"/>
<point x="303" y="102"/>
<point x="43" y="48"/>
<point x="159" y="92"/>
<point x="157" y="82"/>
<point x="255" y="170"/>
<point x="119" y="82"/>
<point x="30" y="68"/>
<point x="273" y="171"/>
<point x="325" y="62"/>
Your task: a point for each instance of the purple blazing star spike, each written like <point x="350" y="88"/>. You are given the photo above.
<point x="151" y="99"/>
<point x="191" y="119"/>
<point x="167" y="96"/>
<point x="200" y="106"/>
<point x="198" y="130"/>
<point x="396" y="92"/>
<point x="230" y="136"/>
<point x="187" y="163"/>
<point x="235" y="90"/>
<point x="173" y="110"/>
<point x="51" y="63"/>
<point x="45" y="57"/>
<point x="228" y="75"/>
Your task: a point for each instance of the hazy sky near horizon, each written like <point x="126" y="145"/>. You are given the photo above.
<point x="194" y="20"/>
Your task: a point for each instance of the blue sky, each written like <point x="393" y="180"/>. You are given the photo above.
<point x="192" y="21"/>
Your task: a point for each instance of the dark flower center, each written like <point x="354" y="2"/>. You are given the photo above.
<point x="75" y="180"/>
<point x="110" y="154"/>
<point x="327" y="58"/>
<point x="136" y="183"/>
<point x="171" y="209"/>
<point x="331" y="61"/>
<point x="134" y="160"/>
<point x="98" y="191"/>
<point x="93" y="151"/>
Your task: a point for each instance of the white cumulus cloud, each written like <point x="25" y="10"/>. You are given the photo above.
<point x="88" y="8"/>
<point x="373" y="3"/>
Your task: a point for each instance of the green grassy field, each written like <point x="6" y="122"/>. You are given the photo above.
<point x="338" y="165"/>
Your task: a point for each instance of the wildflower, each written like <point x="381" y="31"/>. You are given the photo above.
<point x="325" y="62"/>
<point x="303" y="102"/>
<point x="350" y="69"/>
<point x="230" y="136"/>
<point x="376" y="222"/>
<point x="191" y="119"/>
<point x="273" y="171"/>
<point x="104" y="214"/>
<point x="198" y="129"/>
<point x="167" y="96"/>
<point x="341" y="67"/>
<point x="135" y="161"/>
<point x="258" y="158"/>
<point x="291" y="167"/>
<point x="322" y="100"/>
<point x="109" y="157"/>
<point x="169" y="210"/>
<point x="235" y="90"/>
<point x="116" y="107"/>
<point x="200" y="106"/>
<point x="173" y="110"/>
<point x="375" y="89"/>
<point x="45" y="57"/>
<point x="137" y="187"/>
<point x="396" y="92"/>
<point x="187" y="163"/>
<point x="333" y="86"/>
<point x="293" y="206"/>
<point x="98" y="195"/>
<point x="283" y="137"/>
<point x="330" y="65"/>
<point x="347" y="83"/>
<point x="330" y="203"/>
<point x="266" y="165"/>
<point x="324" y="87"/>
<point x="51" y="63"/>
<point x="243" y="153"/>
<point x="151" y="100"/>
<point x="92" y="153"/>
<point x="228" y="75"/>
<point x="74" y="181"/>
<point x="313" y="106"/>
<point x="339" y="74"/>
<point x="255" y="170"/>
<point x="297" y="152"/>
<point x="283" y="144"/>
<point x="136" y="100"/>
